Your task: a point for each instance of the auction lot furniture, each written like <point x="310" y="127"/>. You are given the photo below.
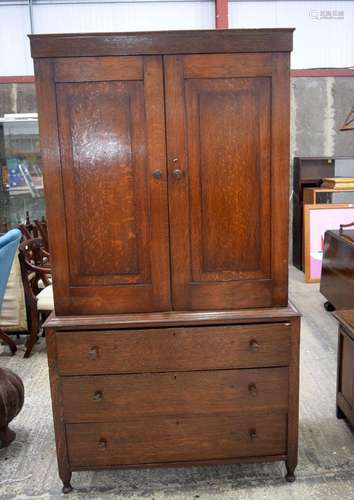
<point x="318" y="219"/>
<point x="337" y="277"/>
<point x="345" y="370"/>
<point x="166" y="167"/>
<point x="309" y="173"/>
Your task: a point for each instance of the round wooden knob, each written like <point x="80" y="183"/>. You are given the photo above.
<point x="254" y="346"/>
<point x="93" y="352"/>
<point x="253" y="434"/>
<point x="102" y="444"/>
<point x="252" y="389"/>
<point x="98" y="396"/>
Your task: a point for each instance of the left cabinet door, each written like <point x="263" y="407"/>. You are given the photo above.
<point x="103" y="146"/>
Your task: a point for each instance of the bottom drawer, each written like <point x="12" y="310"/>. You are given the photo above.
<point x="157" y="440"/>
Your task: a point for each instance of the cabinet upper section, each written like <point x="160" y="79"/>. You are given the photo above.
<point x="162" y="42"/>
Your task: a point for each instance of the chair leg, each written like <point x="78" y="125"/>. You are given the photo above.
<point x="33" y="334"/>
<point x="5" y="338"/>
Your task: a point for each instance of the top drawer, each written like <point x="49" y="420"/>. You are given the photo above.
<point x="173" y="349"/>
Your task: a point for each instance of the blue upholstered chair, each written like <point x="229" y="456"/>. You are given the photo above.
<point x="8" y="247"/>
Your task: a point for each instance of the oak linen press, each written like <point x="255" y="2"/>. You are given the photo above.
<point x="166" y="160"/>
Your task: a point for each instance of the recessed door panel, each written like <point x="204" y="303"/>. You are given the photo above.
<point x="228" y="146"/>
<point x="104" y="170"/>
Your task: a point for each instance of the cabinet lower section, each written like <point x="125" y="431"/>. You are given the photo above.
<point x="173" y="439"/>
<point x="200" y="393"/>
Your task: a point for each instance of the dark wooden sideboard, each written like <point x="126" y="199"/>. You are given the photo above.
<point x="166" y="177"/>
<point x="337" y="276"/>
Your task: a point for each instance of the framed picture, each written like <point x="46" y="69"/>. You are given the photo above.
<point x="317" y="220"/>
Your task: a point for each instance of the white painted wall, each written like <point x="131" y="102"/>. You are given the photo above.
<point x="124" y="16"/>
<point x="318" y="41"/>
<point x="324" y="35"/>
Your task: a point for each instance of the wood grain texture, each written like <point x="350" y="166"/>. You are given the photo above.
<point x="93" y="69"/>
<point x="170" y="349"/>
<point x="172" y="439"/>
<point x="214" y="392"/>
<point x="218" y="136"/>
<point x="280" y="175"/>
<point x="171" y="318"/>
<point x="345" y="366"/>
<point x="337" y="277"/>
<point x="167" y="153"/>
<point x="116" y="214"/>
<point x="59" y="427"/>
<point x="293" y="412"/>
<point x="161" y="42"/>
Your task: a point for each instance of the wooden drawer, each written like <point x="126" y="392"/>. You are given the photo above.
<point x="173" y="349"/>
<point x="102" y="398"/>
<point x="157" y="440"/>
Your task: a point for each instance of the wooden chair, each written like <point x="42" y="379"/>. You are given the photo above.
<point x="42" y="231"/>
<point x="36" y="278"/>
<point x="28" y="229"/>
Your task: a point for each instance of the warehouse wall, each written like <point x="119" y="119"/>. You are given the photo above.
<point x="324" y="35"/>
<point x="318" y="108"/>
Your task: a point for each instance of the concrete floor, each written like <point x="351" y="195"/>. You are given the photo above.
<point x="326" y="453"/>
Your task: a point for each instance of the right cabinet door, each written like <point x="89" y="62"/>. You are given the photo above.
<point x="228" y="146"/>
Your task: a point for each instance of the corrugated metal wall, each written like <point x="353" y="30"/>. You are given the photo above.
<point x="324" y="34"/>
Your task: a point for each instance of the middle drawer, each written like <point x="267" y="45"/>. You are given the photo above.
<point x="108" y="397"/>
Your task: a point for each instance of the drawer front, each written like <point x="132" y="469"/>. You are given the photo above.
<point x="157" y="440"/>
<point x="103" y="398"/>
<point x="173" y="349"/>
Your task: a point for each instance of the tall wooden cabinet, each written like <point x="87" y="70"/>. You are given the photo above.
<point x="166" y="164"/>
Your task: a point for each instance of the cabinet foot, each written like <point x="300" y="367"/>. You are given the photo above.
<point x="290" y="476"/>
<point x="329" y="307"/>
<point x="67" y="488"/>
<point x="339" y="413"/>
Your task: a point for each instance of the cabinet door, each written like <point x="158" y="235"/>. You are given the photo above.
<point x="103" y="143"/>
<point x="227" y="143"/>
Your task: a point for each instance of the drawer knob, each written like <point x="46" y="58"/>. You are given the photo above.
<point x="98" y="396"/>
<point x="252" y="389"/>
<point x="253" y="434"/>
<point x="102" y="444"/>
<point x="93" y="352"/>
<point x="254" y="346"/>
